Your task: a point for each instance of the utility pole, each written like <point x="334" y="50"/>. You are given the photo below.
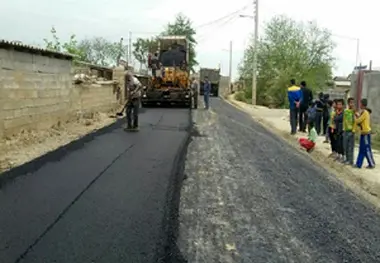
<point x="357" y="51"/>
<point x="254" y="66"/>
<point x="120" y="51"/>
<point x="230" y="69"/>
<point x="130" y="48"/>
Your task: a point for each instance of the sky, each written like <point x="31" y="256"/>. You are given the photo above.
<point x="30" y="22"/>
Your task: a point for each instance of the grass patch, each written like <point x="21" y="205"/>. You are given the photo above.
<point x="242" y="96"/>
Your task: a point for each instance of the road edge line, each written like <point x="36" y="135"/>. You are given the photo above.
<point x="168" y="252"/>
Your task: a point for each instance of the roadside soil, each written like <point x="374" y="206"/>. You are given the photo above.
<point x="364" y="182"/>
<point x="27" y="145"/>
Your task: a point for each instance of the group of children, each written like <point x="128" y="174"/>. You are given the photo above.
<point x="342" y="126"/>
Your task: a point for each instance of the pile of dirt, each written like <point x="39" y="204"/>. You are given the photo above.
<point x="82" y="78"/>
<point x="28" y="145"/>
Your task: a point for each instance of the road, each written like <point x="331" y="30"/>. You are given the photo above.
<point x="109" y="201"/>
<point x="250" y="197"/>
<point x="247" y="197"/>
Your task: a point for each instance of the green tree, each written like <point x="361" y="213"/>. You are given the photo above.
<point x="68" y="47"/>
<point x="141" y="49"/>
<point x="183" y="26"/>
<point x="288" y="49"/>
<point x="100" y="51"/>
<point x="96" y="50"/>
<point x="54" y="44"/>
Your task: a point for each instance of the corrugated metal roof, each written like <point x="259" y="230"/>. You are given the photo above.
<point x="93" y="66"/>
<point x="33" y="49"/>
<point x="173" y="37"/>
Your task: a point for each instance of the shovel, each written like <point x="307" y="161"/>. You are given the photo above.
<point x="119" y="114"/>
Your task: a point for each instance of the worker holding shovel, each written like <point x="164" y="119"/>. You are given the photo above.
<point x="133" y="88"/>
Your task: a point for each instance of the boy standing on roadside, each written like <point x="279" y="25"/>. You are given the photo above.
<point x="331" y="131"/>
<point x="365" y="149"/>
<point x="349" y="131"/>
<point x="338" y="131"/>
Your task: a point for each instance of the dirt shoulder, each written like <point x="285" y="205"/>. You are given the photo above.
<point x="28" y="145"/>
<point x="364" y="182"/>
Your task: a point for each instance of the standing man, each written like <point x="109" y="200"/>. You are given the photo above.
<point x="307" y="99"/>
<point x="133" y="88"/>
<point x="206" y="92"/>
<point x="194" y="89"/>
<point x="295" y="98"/>
<point x="155" y="63"/>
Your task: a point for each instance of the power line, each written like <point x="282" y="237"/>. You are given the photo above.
<point x="227" y="22"/>
<point x="216" y="21"/>
<point x="223" y="17"/>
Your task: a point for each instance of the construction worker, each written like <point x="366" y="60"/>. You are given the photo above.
<point x="154" y="64"/>
<point x="133" y="88"/>
<point x="194" y="90"/>
<point x="206" y="92"/>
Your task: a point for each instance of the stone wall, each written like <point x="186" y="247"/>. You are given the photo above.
<point x="36" y="92"/>
<point x="224" y="89"/>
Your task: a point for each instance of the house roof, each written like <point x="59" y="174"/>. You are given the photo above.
<point x="93" y="66"/>
<point x="19" y="46"/>
<point x="341" y="78"/>
<point x="342" y="83"/>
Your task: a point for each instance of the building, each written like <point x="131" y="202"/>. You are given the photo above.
<point x="340" y="88"/>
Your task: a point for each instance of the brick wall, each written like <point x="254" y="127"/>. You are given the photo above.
<point x="36" y="92"/>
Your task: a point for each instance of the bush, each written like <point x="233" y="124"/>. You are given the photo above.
<point x="240" y="96"/>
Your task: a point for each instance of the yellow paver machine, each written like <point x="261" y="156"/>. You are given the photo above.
<point x="170" y="73"/>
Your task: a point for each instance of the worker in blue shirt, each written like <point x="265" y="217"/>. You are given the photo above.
<point x="206" y="92"/>
<point x="295" y="99"/>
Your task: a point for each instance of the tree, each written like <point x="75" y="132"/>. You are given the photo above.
<point x="100" y="51"/>
<point x="96" y="50"/>
<point x="141" y="49"/>
<point x="69" y="47"/>
<point x="183" y="26"/>
<point x="288" y="49"/>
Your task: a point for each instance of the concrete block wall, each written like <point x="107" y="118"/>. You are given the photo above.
<point x="36" y="92"/>
<point x="94" y="97"/>
<point x="34" y="89"/>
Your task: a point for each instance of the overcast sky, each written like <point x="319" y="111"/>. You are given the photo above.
<point x="30" y="21"/>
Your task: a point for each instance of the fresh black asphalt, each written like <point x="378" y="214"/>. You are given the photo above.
<point x="105" y="202"/>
